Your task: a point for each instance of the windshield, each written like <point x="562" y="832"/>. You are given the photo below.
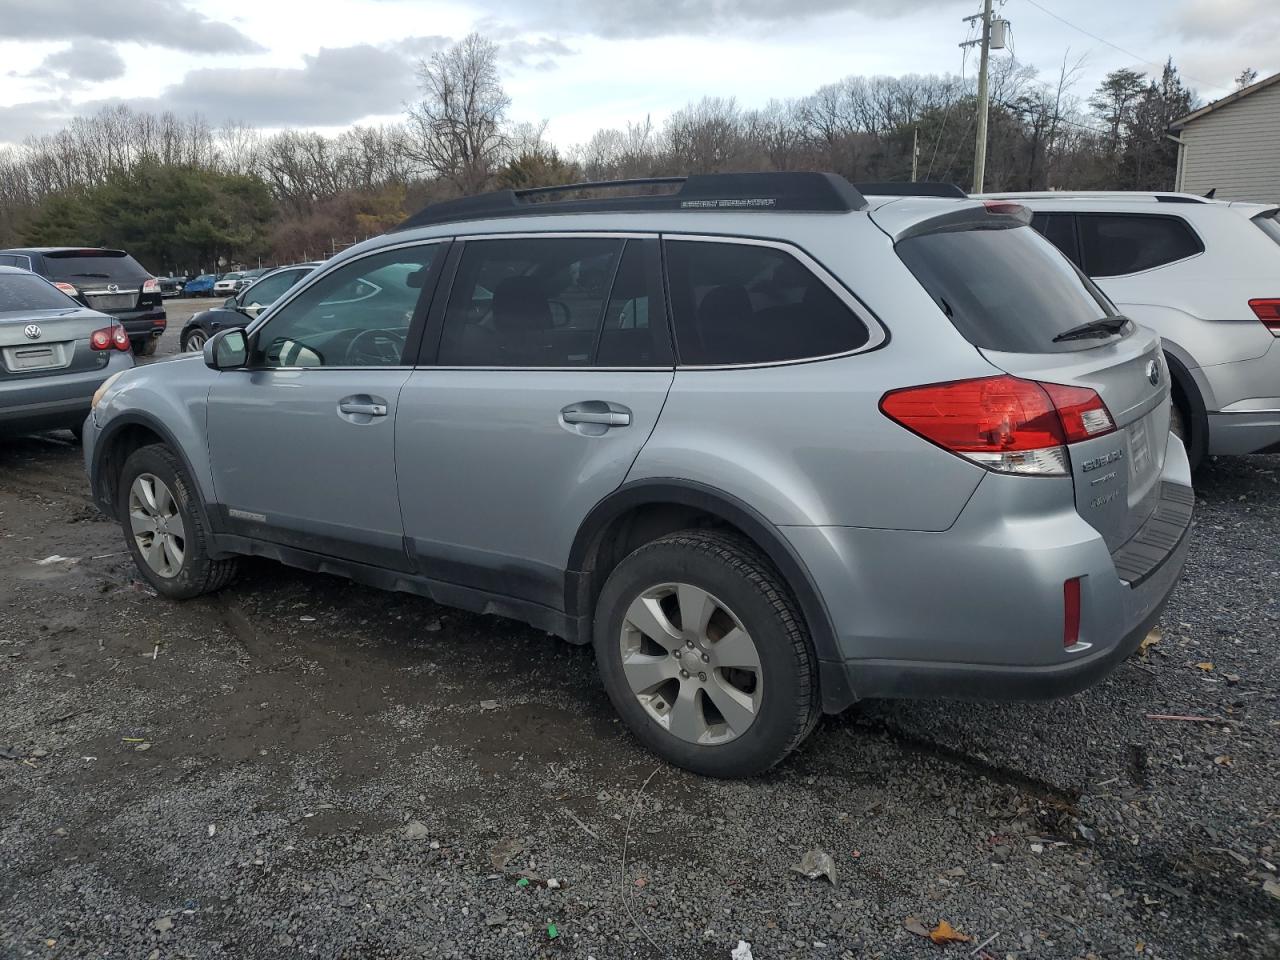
<point x="1009" y="290"/>
<point x="113" y="265"/>
<point x="22" y="292"/>
<point x="1269" y="224"/>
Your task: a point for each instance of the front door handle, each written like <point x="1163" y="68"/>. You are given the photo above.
<point x="610" y="419"/>
<point x="597" y="412"/>
<point x="362" y="407"/>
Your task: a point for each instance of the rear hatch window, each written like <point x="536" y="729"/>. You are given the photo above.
<point x="82" y="267"/>
<point x="1006" y="289"/>
<point x="23" y="293"/>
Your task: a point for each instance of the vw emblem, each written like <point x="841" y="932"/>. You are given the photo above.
<point x="31" y="331"/>
<point x="113" y="288"/>
<point x="1153" y="372"/>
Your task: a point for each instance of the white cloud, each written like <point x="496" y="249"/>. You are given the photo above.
<point x="163" y="23"/>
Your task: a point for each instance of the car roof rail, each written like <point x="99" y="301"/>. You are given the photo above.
<point x="887" y="188"/>
<point x="796" y="191"/>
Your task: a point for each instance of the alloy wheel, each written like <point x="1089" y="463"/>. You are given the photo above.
<point x="691" y="664"/>
<point x="157" y="525"/>
<point x="195" y="341"/>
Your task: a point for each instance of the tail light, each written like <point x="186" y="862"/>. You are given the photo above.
<point x="110" y="337"/>
<point x="151" y="286"/>
<point x="1002" y="423"/>
<point x="1268" y="311"/>
<point x="67" y="288"/>
<point x="1006" y="208"/>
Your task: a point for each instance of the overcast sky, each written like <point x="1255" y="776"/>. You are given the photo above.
<point x="582" y="64"/>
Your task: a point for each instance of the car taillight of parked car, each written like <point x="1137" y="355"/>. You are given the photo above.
<point x="68" y="289"/>
<point x="113" y="337"/>
<point x="1002" y="423"/>
<point x="151" y="286"/>
<point x="1268" y="311"/>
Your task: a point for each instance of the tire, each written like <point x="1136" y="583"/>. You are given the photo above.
<point x="193" y="340"/>
<point x="145" y="347"/>
<point x="742" y="590"/>
<point x="1186" y="428"/>
<point x="77" y="431"/>
<point x="174" y="497"/>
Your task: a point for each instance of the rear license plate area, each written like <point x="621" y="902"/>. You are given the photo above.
<point x="1141" y="463"/>
<point x="34" y="358"/>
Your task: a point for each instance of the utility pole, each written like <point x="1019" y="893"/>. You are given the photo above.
<point x="984" y="44"/>
<point x="915" y="153"/>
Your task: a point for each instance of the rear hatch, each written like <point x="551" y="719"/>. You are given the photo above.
<point x="1032" y="314"/>
<point x="44" y="332"/>
<point x="110" y="281"/>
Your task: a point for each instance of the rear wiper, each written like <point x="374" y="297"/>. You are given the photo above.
<point x="1102" y="327"/>
<point x="105" y="276"/>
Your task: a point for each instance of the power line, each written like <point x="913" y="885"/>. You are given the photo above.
<point x="1114" y="46"/>
<point x="964" y="57"/>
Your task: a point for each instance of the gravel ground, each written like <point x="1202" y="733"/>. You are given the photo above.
<point x="303" y="767"/>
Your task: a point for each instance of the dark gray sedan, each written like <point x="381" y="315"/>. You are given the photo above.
<point x="54" y="354"/>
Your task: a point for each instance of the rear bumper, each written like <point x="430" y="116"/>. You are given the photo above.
<point x="1245" y="414"/>
<point x="1245" y="431"/>
<point x="146" y="323"/>
<point x="57" y="401"/>
<point x="976" y="611"/>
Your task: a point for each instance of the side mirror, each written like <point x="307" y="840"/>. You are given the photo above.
<point x="252" y="310"/>
<point x="226" y="350"/>
<point x="229" y="303"/>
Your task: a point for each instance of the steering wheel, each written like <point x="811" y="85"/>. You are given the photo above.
<point x="560" y="313"/>
<point x="375" y="348"/>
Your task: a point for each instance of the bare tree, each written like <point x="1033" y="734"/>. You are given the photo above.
<point x="457" y="128"/>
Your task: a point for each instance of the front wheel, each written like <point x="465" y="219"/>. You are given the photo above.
<point x="705" y="655"/>
<point x="194" y="341"/>
<point x="164" y="527"/>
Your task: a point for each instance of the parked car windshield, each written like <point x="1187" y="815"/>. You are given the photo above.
<point x="25" y="291"/>
<point x="1269" y="224"/>
<point x="114" y="265"/>
<point x="1009" y="290"/>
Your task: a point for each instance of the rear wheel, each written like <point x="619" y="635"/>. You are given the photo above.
<point x="146" y="346"/>
<point x="164" y="527"/>
<point x="1190" y="429"/>
<point x="705" y="656"/>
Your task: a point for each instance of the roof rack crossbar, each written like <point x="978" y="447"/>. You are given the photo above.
<point x="793" y="191"/>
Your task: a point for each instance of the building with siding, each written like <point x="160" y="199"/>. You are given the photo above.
<point x="1232" y="146"/>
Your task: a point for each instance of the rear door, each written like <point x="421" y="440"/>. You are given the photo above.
<point x="553" y="363"/>
<point x="1015" y="299"/>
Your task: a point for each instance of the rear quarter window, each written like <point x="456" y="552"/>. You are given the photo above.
<point x="1113" y="245"/>
<point x="1007" y="289"/>
<point x="740" y="303"/>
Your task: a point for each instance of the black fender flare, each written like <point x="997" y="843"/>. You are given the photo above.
<point x="97" y="474"/>
<point x="836" y="692"/>
<point x="1182" y="379"/>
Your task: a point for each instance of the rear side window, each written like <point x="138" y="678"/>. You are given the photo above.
<point x="20" y="292"/>
<point x="1060" y="230"/>
<point x="88" y="265"/>
<point x="551" y="302"/>
<point x="1117" y="244"/>
<point x="734" y="303"/>
<point x="1006" y="290"/>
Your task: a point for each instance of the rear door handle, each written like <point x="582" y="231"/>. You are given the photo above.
<point x="366" y="407"/>
<point x="609" y="418"/>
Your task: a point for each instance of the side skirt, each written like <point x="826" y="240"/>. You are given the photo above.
<point x="449" y="594"/>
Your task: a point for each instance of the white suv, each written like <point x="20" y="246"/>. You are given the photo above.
<point x="1205" y="275"/>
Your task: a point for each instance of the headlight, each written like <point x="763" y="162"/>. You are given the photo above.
<point x="102" y="390"/>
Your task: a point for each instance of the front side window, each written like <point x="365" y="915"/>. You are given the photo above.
<point x="355" y="316"/>
<point x="1117" y="244"/>
<point x="529" y="302"/>
<point x="734" y="303"/>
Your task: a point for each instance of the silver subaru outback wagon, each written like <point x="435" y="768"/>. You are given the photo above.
<point x="771" y="444"/>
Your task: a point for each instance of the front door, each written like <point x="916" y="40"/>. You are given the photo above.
<point x="302" y="441"/>
<point x="554" y="362"/>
